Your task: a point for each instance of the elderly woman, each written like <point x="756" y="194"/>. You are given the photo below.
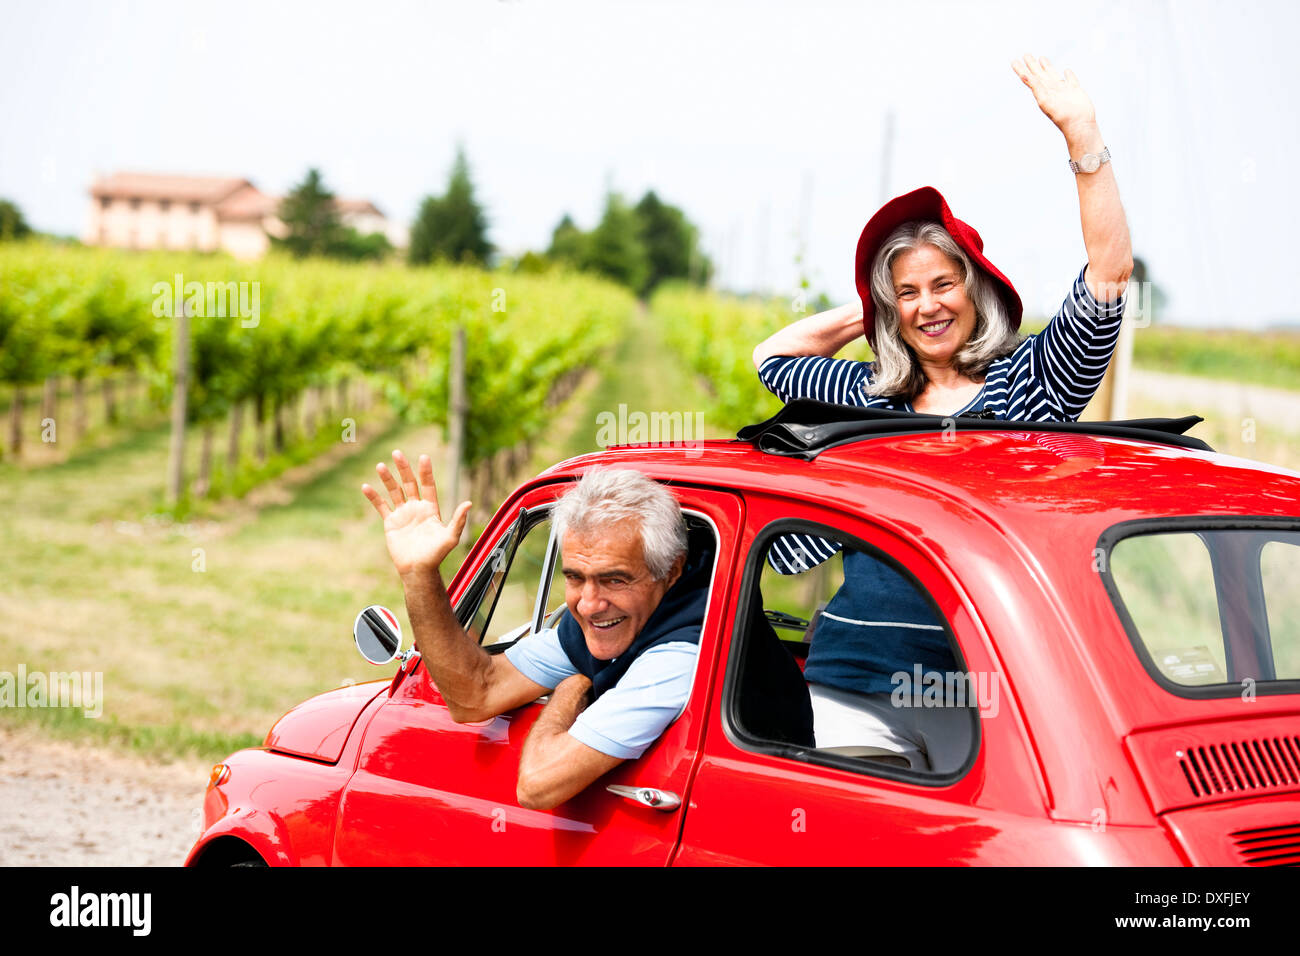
<point x="942" y="321"/>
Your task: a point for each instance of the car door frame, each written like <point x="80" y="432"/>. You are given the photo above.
<point x="471" y="815"/>
<point x="766" y="802"/>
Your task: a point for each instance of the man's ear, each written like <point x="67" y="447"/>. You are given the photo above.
<point x="675" y="571"/>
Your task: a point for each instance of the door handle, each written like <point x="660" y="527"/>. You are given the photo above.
<point x="664" y="800"/>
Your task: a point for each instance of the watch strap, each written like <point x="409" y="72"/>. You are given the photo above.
<point x="1103" y="157"/>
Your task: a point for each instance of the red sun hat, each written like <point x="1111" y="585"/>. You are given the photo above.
<point x="924" y="204"/>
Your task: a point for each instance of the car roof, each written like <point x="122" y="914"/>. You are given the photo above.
<point x="1018" y="479"/>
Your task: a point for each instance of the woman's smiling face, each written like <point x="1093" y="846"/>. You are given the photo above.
<point x="935" y="315"/>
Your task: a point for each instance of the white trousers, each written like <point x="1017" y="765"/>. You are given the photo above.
<point x="937" y="739"/>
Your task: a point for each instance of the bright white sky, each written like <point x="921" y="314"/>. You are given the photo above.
<point x="764" y="121"/>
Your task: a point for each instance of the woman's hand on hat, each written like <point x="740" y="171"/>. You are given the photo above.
<point x="1060" y="97"/>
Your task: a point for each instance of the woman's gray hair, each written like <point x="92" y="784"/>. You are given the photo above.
<point x="897" y="372"/>
<point x="606" y="496"/>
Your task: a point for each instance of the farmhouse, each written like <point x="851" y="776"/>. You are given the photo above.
<point x="206" y="213"/>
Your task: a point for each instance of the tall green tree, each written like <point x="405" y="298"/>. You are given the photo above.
<point x="614" y="248"/>
<point x="452" y="226"/>
<point x="671" y="244"/>
<point x="1149" y="296"/>
<point x="568" y="243"/>
<point x="12" y="223"/>
<point x="310" y="218"/>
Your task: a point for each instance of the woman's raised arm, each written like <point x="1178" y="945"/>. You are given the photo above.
<point x="822" y="334"/>
<point x="1105" y="229"/>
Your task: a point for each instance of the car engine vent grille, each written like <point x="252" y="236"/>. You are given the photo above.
<point x="1269" y="846"/>
<point x="1256" y="764"/>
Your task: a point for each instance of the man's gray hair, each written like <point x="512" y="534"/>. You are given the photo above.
<point x="606" y="496"/>
<point x="897" y="371"/>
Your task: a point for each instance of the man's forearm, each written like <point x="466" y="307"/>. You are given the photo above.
<point x="458" y="666"/>
<point x="566" y="703"/>
<point x="553" y="765"/>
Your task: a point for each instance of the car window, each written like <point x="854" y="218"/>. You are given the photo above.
<point x="857" y="653"/>
<point x="1211" y="608"/>
<point x="1167" y="582"/>
<point x="513" y="573"/>
<point x="513" y="603"/>
<point x="1279" y="568"/>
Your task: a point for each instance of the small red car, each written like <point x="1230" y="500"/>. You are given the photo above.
<point x="1124" y="605"/>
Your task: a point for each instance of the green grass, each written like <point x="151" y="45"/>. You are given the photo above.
<point x="1256" y="358"/>
<point x="153" y="742"/>
<point x="1253" y="358"/>
<point x="642" y="374"/>
<point x="205" y="631"/>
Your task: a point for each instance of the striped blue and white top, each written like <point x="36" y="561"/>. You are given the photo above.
<point x="1050" y="377"/>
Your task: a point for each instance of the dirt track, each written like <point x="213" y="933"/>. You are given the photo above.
<point x="1275" y="407"/>
<point x="65" y="805"/>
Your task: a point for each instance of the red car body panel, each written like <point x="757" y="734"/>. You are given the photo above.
<point x="1077" y="764"/>
<point x="285" y="807"/>
<point x="318" y="727"/>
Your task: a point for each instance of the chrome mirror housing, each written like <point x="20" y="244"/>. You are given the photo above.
<point x="378" y="635"/>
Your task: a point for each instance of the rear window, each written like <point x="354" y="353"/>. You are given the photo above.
<point x="1212" y="610"/>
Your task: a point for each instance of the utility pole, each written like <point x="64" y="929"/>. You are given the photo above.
<point x="886" y="157"/>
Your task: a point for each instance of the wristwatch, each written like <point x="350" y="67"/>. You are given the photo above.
<point x="1090" y="162"/>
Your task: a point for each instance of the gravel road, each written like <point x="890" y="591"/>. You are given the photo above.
<point x="1274" y="407"/>
<point x="68" y="805"/>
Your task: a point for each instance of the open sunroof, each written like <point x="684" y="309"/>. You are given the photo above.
<point x="804" y="428"/>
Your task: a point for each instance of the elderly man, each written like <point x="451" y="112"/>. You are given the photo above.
<point x="618" y="670"/>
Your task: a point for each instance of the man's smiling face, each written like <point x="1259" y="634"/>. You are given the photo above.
<point x="608" y="588"/>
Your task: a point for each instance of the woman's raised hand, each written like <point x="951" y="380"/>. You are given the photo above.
<point x="1061" y="98"/>
<point x="417" y="539"/>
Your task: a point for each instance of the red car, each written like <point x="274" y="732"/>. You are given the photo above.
<point x="1123" y="603"/>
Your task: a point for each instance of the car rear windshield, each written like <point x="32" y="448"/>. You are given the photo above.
<point x="1211" y="608"/>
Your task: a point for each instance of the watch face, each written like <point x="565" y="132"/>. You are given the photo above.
<point x="1090" y="163"/>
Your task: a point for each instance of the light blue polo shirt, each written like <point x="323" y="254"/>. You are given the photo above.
<point x="631" y="715"/>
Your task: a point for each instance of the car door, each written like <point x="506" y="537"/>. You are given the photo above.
<point x="430" y="791"/>
<point x="757" y="799"/>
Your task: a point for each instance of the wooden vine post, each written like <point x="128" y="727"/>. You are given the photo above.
<point x="456" y="414"/>
<point x="176" y="460"/>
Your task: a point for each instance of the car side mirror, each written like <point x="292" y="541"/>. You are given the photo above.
<point x="378" y="635"/>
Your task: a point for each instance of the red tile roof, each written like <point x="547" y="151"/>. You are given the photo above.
<point x="356" y="206"/>
<point x="248" y="202"/>
<point x="202" y="189"/>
